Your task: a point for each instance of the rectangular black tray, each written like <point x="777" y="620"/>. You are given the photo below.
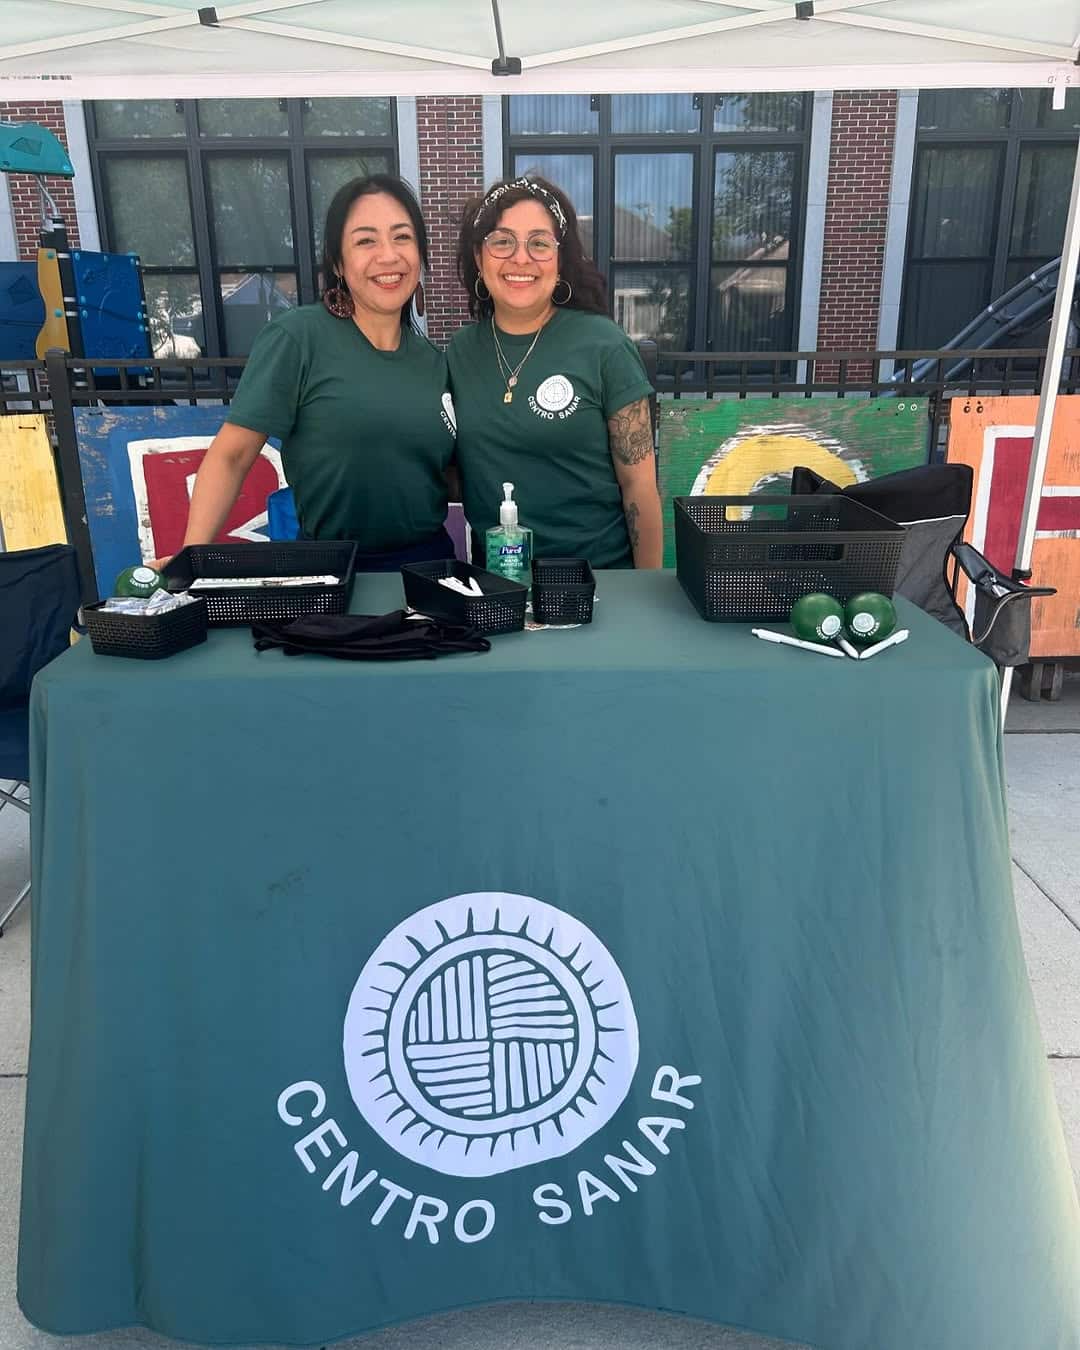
<point x="292" y="558"/>
<point x="562" y="590"/>
<point x="145" y="636"/>
<point x="750" y="565"/>
<point x="501" y="609"/>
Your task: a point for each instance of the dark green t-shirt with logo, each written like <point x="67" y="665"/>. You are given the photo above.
<point x="365" y="434"/>
<point x="551" y="442"/>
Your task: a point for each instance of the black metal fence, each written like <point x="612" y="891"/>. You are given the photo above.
<point x="60" y="383"/>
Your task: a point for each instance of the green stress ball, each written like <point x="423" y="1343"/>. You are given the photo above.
<point x="817" y="617"/>
<point x="138" y="582"/>
<point x="870" y="617"/>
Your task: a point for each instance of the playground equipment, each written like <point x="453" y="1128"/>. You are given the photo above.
<point x="85" y="303"/>
<point x="1022" y="307"/>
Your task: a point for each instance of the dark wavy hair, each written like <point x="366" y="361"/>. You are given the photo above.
<point x="338" y="213"/>
<point x="589" y="293"/>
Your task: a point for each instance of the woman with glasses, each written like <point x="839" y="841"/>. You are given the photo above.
<point x="356" y="395"/>
<point x="550" y="393"/>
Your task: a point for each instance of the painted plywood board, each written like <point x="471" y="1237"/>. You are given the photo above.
<point x="995" y="436"/>
<point x="31" y="514"/>
<point x="733" y="447"/>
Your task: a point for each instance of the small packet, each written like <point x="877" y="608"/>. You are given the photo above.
<point x="118" y="604"/>
<point x="163" y="601"/>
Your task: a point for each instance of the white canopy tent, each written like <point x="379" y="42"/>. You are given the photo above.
<point x="175" y="48"/>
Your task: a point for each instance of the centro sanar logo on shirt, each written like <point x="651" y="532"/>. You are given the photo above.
<point x="554" y="397"/>
<point x="487" y="1032"/>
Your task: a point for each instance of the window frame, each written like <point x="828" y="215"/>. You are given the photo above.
<point x="1010" y="141"/>
<point x="703" y="145"/>
<point x="196" y="149"/>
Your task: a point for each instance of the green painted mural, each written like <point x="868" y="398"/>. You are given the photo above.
<point x="730" y="447"/>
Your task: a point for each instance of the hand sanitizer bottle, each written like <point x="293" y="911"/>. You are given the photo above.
<point x="508" y="544"/>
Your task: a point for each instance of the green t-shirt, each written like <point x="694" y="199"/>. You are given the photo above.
<point x="551" y="442"/>
<point x="365" y="434"/>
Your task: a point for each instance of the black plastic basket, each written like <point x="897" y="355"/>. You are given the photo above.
<point x="294" y="558"/>
<point x="146" y="636"/>
<point x="746" y="559"/>
<point x="501" y="609"/>
<point x="562" y="590"/>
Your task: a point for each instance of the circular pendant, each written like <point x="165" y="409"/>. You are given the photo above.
<point x="512" y="381"/>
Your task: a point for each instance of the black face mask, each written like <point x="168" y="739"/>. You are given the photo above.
<point x="369" y="637"/>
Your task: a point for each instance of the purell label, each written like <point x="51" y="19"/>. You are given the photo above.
<point x="511" y="550"/>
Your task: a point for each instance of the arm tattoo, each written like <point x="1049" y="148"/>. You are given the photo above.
<point x="630" y="511"/>
<point x="630" y="433"/>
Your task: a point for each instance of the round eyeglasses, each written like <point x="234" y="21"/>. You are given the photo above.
<point x="540" y="246"/>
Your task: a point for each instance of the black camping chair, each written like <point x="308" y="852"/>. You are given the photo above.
<point x="932" y="502"/>
<point x="39" y="604"/>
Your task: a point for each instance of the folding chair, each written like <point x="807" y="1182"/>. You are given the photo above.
<point x="932" y="501"/>
<point x="39" y="604"/>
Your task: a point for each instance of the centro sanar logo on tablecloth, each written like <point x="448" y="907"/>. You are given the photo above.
<point x="487" y="1032"/>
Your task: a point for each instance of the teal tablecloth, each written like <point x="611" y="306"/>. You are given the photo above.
<point x="271" y="1100"/>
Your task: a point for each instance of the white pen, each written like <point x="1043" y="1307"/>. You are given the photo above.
<point x="847" y="647"/>
<point x="786" y="641"/>
<point x="901" y="635"/>
<point x="454" y="584"/>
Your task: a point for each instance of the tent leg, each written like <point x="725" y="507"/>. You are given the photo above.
<point x="1006" y="685"/>
<point x="1055" y="353"/>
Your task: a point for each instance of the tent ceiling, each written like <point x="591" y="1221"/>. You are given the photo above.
<point x="147" y="48"/>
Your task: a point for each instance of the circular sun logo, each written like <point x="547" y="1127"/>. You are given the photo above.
<point x="555" y="393"/>
<point x="488" y="1032"/>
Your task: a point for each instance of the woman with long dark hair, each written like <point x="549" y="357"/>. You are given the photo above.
<point x="550" y="393"/>
<point x="356" y="395"/>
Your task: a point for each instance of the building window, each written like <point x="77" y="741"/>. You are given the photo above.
<point x="224" y="202"/>
<point x="990" y="192"/>
<point x="690" y="204"/>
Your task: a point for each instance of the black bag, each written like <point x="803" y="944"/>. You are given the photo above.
<point x="369" y="637"/>
<point x="932" y="502"/>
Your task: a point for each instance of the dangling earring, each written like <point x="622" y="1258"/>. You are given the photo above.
<point x="338" y="301"/>
<point x="569" y="292"/>
<point x="476" y="289"/>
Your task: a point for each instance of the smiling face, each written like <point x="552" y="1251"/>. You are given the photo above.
<point x="380" y="256"/>
<point x="520" y="286"/>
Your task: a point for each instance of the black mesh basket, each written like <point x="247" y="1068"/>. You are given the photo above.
<point x="146" y="636"/>
<point x="501" y="609"/>
<point x="246" y="605"/>
<point x="562" y="590"/>
<point x="746" y="559"/>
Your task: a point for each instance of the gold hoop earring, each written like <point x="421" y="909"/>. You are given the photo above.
<point x="569" y="292"/>
<point x="476" y="289"/>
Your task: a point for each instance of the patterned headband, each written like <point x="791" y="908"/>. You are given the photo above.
<point x="537" y="191"/>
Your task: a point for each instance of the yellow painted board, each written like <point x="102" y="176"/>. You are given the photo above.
<point x="31" y="514"/>
<point x="54" y="331"/>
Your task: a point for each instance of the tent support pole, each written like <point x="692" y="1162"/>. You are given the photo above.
<point x="1044" y="419"/>
<point x="1055" y="355"/>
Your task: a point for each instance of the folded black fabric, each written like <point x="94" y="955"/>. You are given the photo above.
<point x="369" y="637"/>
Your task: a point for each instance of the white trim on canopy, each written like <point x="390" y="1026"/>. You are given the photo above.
<point x="136" y="48"/>
<point x="302" y="82"/>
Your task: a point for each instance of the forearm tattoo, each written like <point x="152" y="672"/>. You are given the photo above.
<point x="630" y="511"/>
<point x="630" y="433"/>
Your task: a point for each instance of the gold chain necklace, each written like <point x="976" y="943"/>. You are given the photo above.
<point x="508" y="373"/>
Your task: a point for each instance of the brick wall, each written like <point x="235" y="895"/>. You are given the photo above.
<point x="25" y="197"/>
<point x="856" y="215"/>
<point x="450" y="135"/>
